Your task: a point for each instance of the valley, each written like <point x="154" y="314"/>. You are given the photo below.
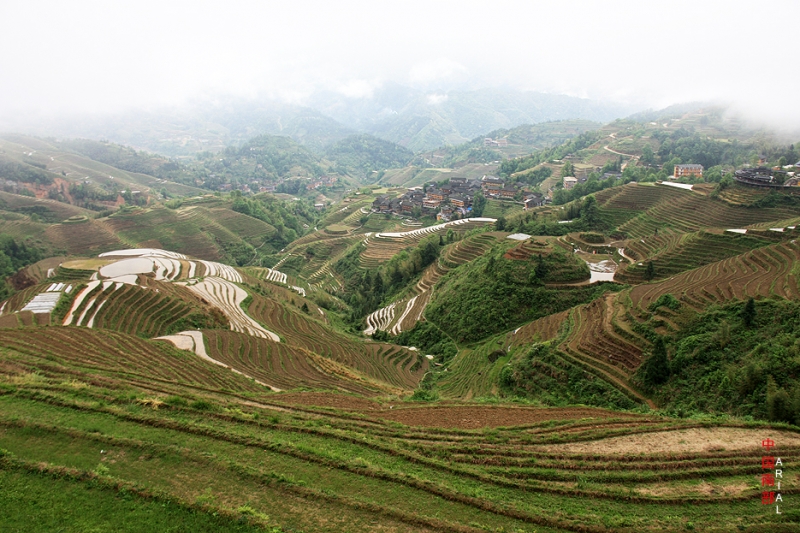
<point x="348" y="335"/>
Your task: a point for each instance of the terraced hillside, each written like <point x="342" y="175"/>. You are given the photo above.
<point x="48" y="210"/>
<point x="59" y="162"/>
<point x="642" y="210"/>
<point x="403" y="314"/>
<point x="380" y="247"/>
<point x="228" y="226"/>
<point x="387" y="363"/>
<point x="211" y="309"/>
<point x="328" y="462"/>
<point x="604" y="339"/>
<point x="675" y="253"/>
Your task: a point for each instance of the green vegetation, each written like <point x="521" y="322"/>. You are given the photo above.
<point x="79" y="501"/>
<point x="289" y="218"/>
<point x="493" y="293"/>
<point x="366" y="290"/>
<point x="546" y="376"/>
<point x="430" y="339"/>
<point x="364" y="156"/>
<point x="584" y="140"/>
<point x="740" y="358"/>
<point x="30" y="173"/>
<point x="220" y="463"/>
<point x="14" y="255"/>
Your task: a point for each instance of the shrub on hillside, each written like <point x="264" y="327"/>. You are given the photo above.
<point x="542" y="374"/>
<point x="593" y="238"/>
<point x="720" y="366"/>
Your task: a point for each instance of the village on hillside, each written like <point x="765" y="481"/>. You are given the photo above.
<point x="454" y="199"/>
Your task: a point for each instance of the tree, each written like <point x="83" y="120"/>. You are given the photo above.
<point x="749" y="313"/>
<point x="568" y="169"/>
<point x="416" y="211"/>
<point x="478" y="204"/>
<point x="441" y="241"/>
<point x="490" y="265"/>
<point x="541" y="267"/>
<point x="656" y="367"/>
<point x="647" y="155"/>
<point x="500" y="223"/>
<point x="590" y="213"/>
<point x="305" y="308"/>
<point x="650" y="271"/>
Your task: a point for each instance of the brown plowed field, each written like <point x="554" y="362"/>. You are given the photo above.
<point x="475" y="417"/>
<point x="327" y="399"/>
<point x="683" y="441"/>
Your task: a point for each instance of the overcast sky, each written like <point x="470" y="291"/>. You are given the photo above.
<point x="80" y="56"/>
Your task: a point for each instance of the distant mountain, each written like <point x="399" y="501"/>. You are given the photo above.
<point x="201" y="126"/>
<point x="414" y="119"/>
<point x="423" y="121"/>
<point x="508" y="143"/>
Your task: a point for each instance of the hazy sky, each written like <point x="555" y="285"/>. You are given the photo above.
<point x="98" y="56"/>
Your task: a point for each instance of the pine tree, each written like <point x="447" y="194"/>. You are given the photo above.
<point x="749" y="313"/>
<point x="650" y="271"/>
<point x="656" y="367"/>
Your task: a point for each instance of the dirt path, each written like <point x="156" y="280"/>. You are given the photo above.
<point x="620" y="153"/>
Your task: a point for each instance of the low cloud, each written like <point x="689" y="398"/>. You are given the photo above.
<point x="436" y="99"/>
<point x="358" y="88"/>
<point x="435" y="70"/>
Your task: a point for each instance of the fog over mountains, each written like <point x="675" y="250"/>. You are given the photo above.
<point x="416" y="119"/>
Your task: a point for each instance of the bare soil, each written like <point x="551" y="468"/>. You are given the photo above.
<point x="88" y="264"/>
<point x="327" y="399"/>
<point x="476" y="417"/>
<point x="685" y="441"/>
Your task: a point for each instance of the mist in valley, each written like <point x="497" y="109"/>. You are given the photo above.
<point x="114" y="71"/>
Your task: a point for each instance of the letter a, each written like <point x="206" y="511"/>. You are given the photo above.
<point x="778" y="462"/>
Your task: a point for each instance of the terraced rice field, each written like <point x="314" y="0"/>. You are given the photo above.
<point x="540" y="330"/>
<point x="763" y="272"/>
<point x="49" y="209"/>
<point x="351" y="211"/>
<point x="601" y="338"/>
<point x="267" y="274"/>
<point x="595" y="345"/>
<point x="380" y="247"/>
<point x="90" y="238"/>
<point x="679" y="253"/>
<point x="110" y="352"/>
<point x="283" y="366"/>
<point x="388" y="363"/>
<point x="682" y="211"/>
<point x="163" y="228"/>
<point x="229" y="225"/>
<point x="22" y="228"/>
<point x="149" y="310"/>
<point x="44" y="269"/>
<point x="400" y="467"/>
<point x="228" y="297"/>
<point x="405" y="313"/>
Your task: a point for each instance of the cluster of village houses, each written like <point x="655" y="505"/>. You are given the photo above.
<point x="453" y="199"/>
<point x="271" y="186"/>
